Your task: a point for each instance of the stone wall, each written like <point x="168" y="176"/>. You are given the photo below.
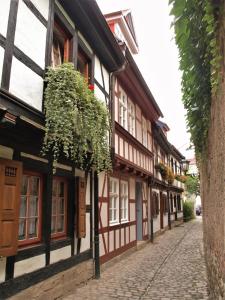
<point x="58" y="285"/>
<point x="212" y="174"/>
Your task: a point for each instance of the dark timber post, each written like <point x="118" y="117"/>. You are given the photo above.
<point x="96" y="238"/>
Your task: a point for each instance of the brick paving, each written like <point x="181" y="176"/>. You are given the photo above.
<point x="171" y="268"/>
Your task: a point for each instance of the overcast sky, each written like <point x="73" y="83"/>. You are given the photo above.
<point x="158" y="61"/>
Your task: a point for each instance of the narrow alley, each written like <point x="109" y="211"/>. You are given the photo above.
<point x="172" y="268"/>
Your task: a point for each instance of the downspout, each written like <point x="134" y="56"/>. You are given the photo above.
<point x="96" y="231"/>
<point x="96" y="200"/>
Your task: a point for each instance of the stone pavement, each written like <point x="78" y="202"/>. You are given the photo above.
<point x="171" y="268"/>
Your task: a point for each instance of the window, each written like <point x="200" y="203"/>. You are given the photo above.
<point x="61" y="46"/>
<point x="114" y="201"/>
<point x="131" y="118"/>
<point x="123" y="109"/>
<point x="144" y="132"/>
<point x="124" y="201"/>
<point x="84" y="65"/>
<point x="171" y="203"/>
<point x="155" y="204"/>
<point x="178" y="203"/>
<point x="30" y="209"/>
<point x="59" y="205"/>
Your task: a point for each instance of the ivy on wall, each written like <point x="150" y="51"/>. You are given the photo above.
<point x="195" y="25"/>
<point x="77" y="123"/>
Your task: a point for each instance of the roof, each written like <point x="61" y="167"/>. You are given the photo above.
<point x="162" y="125"/>
<point x="90" y="21"/>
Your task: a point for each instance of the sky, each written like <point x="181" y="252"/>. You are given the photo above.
<point x="158" y="60"/>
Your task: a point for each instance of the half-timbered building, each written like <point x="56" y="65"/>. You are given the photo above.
<point x="46" y="220"/>
<point x="124" y="199"/>
<point x="166" y="201"/>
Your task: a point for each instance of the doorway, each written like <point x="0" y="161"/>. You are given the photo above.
<point x="139" y="212"/>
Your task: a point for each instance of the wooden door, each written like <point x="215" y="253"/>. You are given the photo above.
<point x="161" y="210"/>
<point x="10" y="183"/>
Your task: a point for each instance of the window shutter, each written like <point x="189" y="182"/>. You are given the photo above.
<point x="81" y="230"/>
<point x="10" y="182"/>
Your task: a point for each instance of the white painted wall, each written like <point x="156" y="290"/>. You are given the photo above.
<point x="4" y="15"/>
<point x="42" y="6"/>
<point x="2" y="51"/>
<point x="165" y="220"/>
<point x="60" y="254"/>
<point x="29" y="265"/>
<point x="180" y="215"/>
<point x="30" y="36"/>
<point x="2" y="268"/>
<point x="85" y="242"/>
<point x="98" y="75"/>
<point x="6" y="152"/>
<point x="26" y="85"/>
<point x="99" y="94"/>
<point x="156" y="224"/>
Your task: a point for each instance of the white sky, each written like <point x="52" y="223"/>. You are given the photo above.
<point x="158" y="61"/>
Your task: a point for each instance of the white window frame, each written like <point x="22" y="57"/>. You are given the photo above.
<point x="113" y="201"/>
<point x="123" y="109"/>
<point x="131" y="118"/>
<point x="123" y="201"/>
<point x="144" y="133"/>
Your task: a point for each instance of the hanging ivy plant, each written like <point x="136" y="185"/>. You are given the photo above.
<point x="195" y="25"/>
<point x="77" y="123"/>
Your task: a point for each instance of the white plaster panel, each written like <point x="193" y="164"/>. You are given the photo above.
<point x="126" y="150"/>
<point x="2" y="52"/>
<point x="42" y="6"/>
<point x="4" y="16"/>
<point x="2" y="268"/>
<point x="26" y="85"/>
<point x="117" y="239"/>
<point x="116" y="109"/>
<point x="132" y="212"/>
<point x="132" y="188"/>
<point x="156" y="224"/>
<point x="101" y="177"/>
<point x="6" y="152"/>
<point x="121" y="147"/>
<point x="145" y="228"/>
<point x="165" y="220"/>
<point x="60" y="254"/>
<point x="135" y="156"/>
<point x="106" y="79"/>
<point x="30" y="36"/>
<point x="132" y="233"/>
<point x="116" y="144"/>
<point x="172" y="217"/>
<point x="144" y="211"/>
<point x="85" y="242"/>
<point x="127" y="234"/>
<point x="98" y="75"/>
<point x="104" y="214"/>
<point x="131" y="153"/>
<point x="122" y="237"/>
<point x="101" y="245"/>
<point x="180" y="214"/>
<point x="29" y="265"/>
<point x="88" y="200"/>
<point x="99" y="94"/>
<point x="85" y="42"/>
<point x="111" y="241"/>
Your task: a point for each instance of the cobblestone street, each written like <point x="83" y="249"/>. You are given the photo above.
<point x="172" y="268"/>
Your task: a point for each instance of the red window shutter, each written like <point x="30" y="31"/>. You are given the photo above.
<point x="10" y="182"/>
<point x="81" y="230"/>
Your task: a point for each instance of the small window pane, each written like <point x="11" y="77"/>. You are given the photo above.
<point x="23" y="206"/>
<point x="24" y="185"/>
<point x="61" y="189"/>
<point x="34" y="185"/>
<point x="54" y="188"/>
<point x="53" y="225"/>
<point x="60" y="225"/>
<point x="53" y="206"/>
<point x="33" y="228"/>
<point x="22" y="228"/>
<point x="33" y="206"/>
<point x="61" y="206"/>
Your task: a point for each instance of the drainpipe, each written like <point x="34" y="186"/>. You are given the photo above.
<point x="96" y="231"/>
<point x="169" y="217"/>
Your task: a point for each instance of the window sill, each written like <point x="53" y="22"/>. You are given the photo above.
<point x="114" y="224"/>
<point x="124" y="221"/>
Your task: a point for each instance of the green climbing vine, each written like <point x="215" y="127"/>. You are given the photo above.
<point x="77" y="123"/>
<point x="195" y="26"/>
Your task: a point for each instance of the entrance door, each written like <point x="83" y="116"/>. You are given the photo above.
<point x="161" y="210"/>
<point x="139" y="210"/>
